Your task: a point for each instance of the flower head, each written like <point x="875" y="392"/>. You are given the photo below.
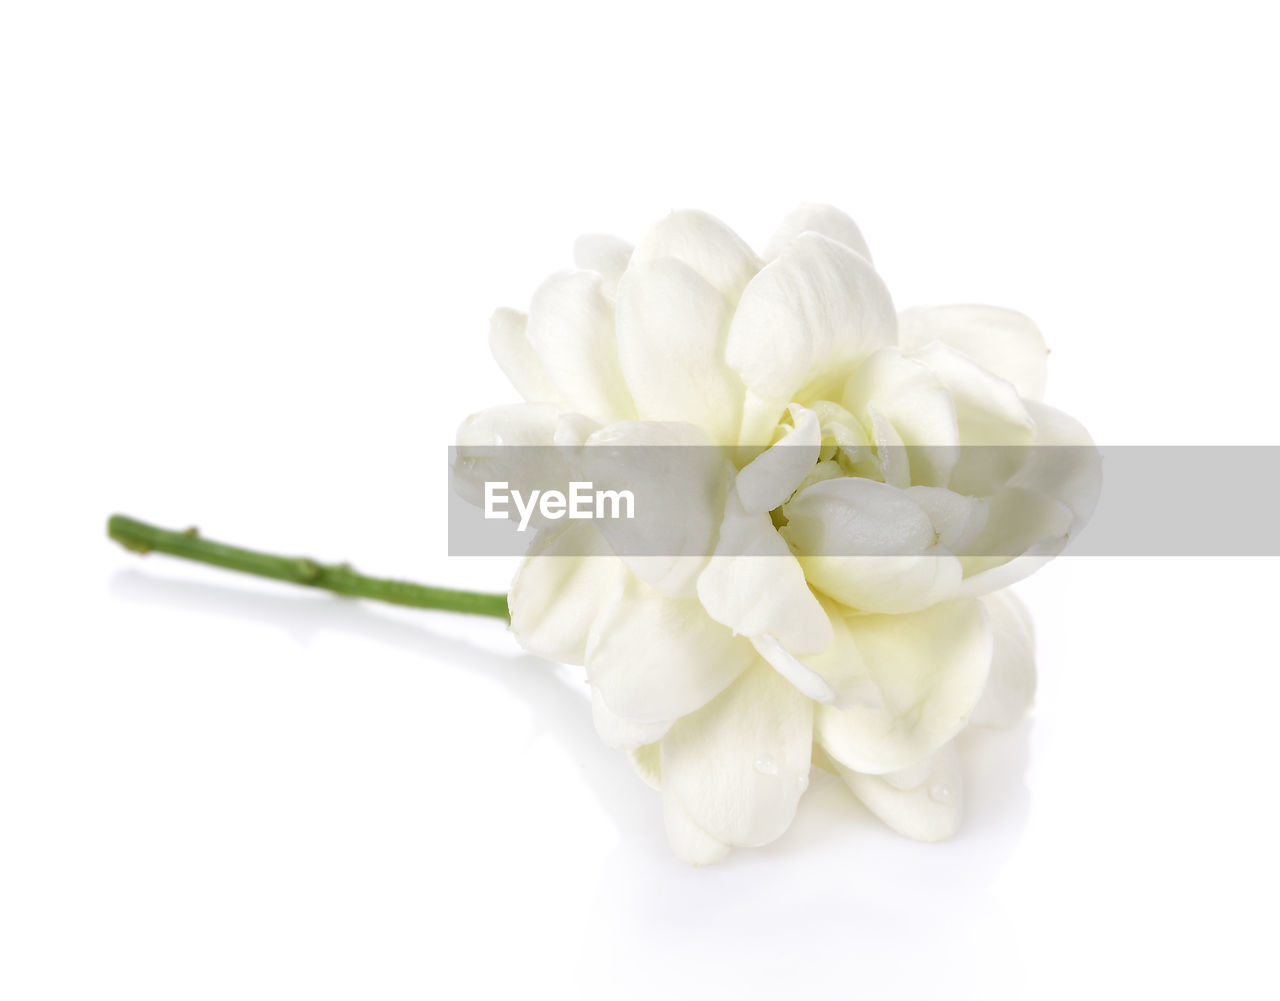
<point x="829" y="583"/>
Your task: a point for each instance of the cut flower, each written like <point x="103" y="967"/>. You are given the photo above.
<point x="833" y="593"/>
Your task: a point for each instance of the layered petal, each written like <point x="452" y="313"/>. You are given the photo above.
<point x="1011" y="686"/>
<point x="996" y="431"/>
<point x="915" y="402"/>
<point x="677" y="481"/>
<point x="929" y="668"/>
<point x="647" y="761"/>
<point x="512" y="444"/>
<point x="571" y="329"/>
<point x="806" y="680"/>
<point x="957" y="519"/>
<point x="773" y="475"/>
<point x="869" y="545"/>
<point x="513" y="424"/>
<point x="926" y="808"/>
<point x="840" y="667"/>
<point x="1024" y="530"/>
<point x="569" y="578"/>
<point x="706" y="245"/>
<point x="514" y="354"/>
<point x="572" y="432"/>
<point x="689" y="842"/>
<point x="739" y="765"/>
<point x="672" y="326"/>
<point x="606" y="255"/>
<point x="853" y="516"/>
<point x="754" y="585"/>
<point x="823" y="219"/>
<point x="891" y="453"/>
<point x="841" y="432"/>
<point x="801" y="326"/>
<point x="621" y="733"/>
<point x="655" y="658"/>
<point x="1064" y="463"/>
<point x="1002" y="341"/>
<point x="828" y="498"/>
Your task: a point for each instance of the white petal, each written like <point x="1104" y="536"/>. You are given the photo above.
<point x="956" y="518"/>
<point x="913" y="775"/>
<point x="1002" y="341"/>
<point x="801" y="326"/>
<point x="571" y="330"/>
<point x="773" y="475"/>
<point x="558" y="592"/>
<point x="1024" y="530"/>
<point x="828" y="469"/>
<point x="857" y="517"/>
<point x="755" y="586"/>
<point x="840" y="430"/>
<point x="821" y="761"/>
<point x="807" y="681"/>
<point x="891" y="453"/>
<point x="918" y="406"/>
<point x="515" y="356"/>
<point x="929" y="667"/>
<point x="739" y="765"/>
<point x="928" y="811"/>
<point x="706" y="245"/>
<point x="647" y="761"/>
<point x="606" y="255"/>
<point x="1064" y="463"/>
<point x="671" y="331"/>
<point x="678" y="482"/>
<point x="656" y="658"/>
<point x="824" y="219"/>
<point x="995" y="428"/>
<point x="840" y="666"/>
<point x="1018" y="520"/>
<point x="869" y="545"/>
<point x="847" y="443"/>
<point x="885" y="584"/>
<point x="482" y="454"/>
<point x="1009" y="572"/>
<point x="513" y="424"/>
<point x="1011" y="688"/>
<point x="620" y="733"/>
<point x="573" y="430"/>
<point x="689" y="842"/>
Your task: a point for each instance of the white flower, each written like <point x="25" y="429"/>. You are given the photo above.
<point x="836" y="594"/>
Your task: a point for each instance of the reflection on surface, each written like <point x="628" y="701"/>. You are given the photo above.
<point x="555" y="696"/>
<point x="840" y="894"/>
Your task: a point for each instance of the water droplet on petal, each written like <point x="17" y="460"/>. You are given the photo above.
<point x="802" y="780"/>
<point x="766" y="766"/>
<point x="940" y="792"/>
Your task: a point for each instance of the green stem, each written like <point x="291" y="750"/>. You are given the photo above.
<point x="139" y="537"/>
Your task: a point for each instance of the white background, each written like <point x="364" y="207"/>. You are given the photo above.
<point x="249" y="251"/>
